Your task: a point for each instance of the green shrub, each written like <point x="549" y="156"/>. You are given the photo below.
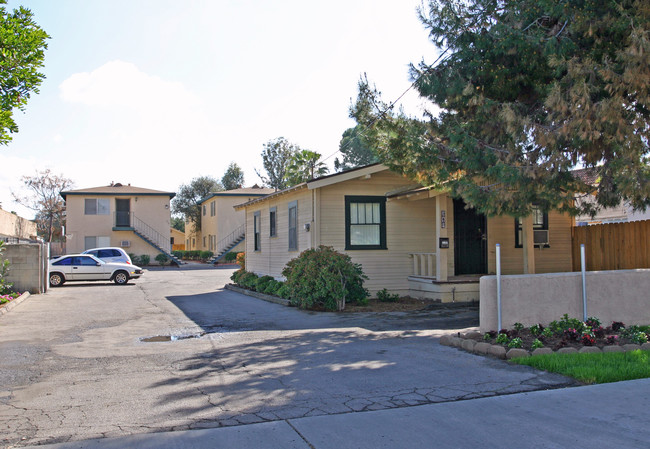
<point x="558" y="327"/>
<point x="384" y="296"/>
<point x="134" y="259"/>
<point x="502" y="339"/>
<point x="237" y="275"/>
<point x="179" y="254"/>
<point x="324" y="278"/>
<point x="144" y="260"/>
<point x="248" y="280"/>
<point x="271" y="287"/>
<point x="262" y="283"/>
<point x="283" y="291"/>
<point x="162" y="259"/>
<point x="206" y="255"/>
<point x="230" y="257"/>
<point x="5" y="285"/>
<point x="516" y="343"/>
<point x="537" y="344"/>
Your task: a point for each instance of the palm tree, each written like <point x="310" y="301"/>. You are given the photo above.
<point x="304" y="166"/>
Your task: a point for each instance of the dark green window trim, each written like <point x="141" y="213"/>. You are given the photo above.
<point x="381" y="201"/>
<point x="273" y="221"/>
<point x="257" y="234"/>
<point x="538" y="225"/>
<point x="293" y="226"/>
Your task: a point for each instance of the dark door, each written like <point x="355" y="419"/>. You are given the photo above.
<point x="470" y="240"/>
<point x="122" y="213"/>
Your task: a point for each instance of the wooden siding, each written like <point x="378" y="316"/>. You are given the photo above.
<point x="555" y="259"/>
<point x="409" y="228"/>
<point x="613" y="246"/>
<point x="274" y="254"/>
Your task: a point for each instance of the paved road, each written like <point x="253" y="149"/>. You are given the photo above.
<point x="74" y="365"/>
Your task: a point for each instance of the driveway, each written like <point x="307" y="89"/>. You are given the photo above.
<point x="76" y="363"/>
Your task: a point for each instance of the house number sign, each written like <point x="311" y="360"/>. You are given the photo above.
<point x="443" y="219"/>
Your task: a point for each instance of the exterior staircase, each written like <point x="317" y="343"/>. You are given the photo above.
<point x="154" y="238"/>
<point x="228" y="243"/>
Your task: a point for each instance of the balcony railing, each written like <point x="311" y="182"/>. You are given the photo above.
<point x="424" y="264"/>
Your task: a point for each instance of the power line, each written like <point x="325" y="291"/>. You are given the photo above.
<point x="390" y="106"/>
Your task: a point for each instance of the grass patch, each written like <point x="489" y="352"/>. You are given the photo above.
<point x="594" y="368"/>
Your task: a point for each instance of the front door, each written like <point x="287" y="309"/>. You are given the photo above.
<point x="470" y="240"/>
<point x="122" y="213"/>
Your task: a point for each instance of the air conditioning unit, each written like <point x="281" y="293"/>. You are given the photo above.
<point x="540" y="237"/>
<point x="125" y="243"/>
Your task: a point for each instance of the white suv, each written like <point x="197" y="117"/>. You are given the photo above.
<point x="110" y="254"/>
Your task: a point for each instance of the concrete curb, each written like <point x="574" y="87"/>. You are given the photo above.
<point x="258" y="295"/>
<point x="467" y="343"/>
<point x="12" y="304"/>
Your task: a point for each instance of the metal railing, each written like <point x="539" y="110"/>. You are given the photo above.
<point x="162" y="241"/>
<point x="424" y="264"/>
<point x="225" y="242"/>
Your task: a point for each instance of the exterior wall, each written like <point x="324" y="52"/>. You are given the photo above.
<point x="179" y="238"/>
<point x="11" y="225"/>
<point x="150" y="209"/>
<point x="555" y="259"/>
<point x="192" y="238"/>
<point x="28" y="267"/>
<point x="225" y="221"/>
<point x="410" y="228"/>
<point x="531" y="299"/>
<point x="274" y="253"/>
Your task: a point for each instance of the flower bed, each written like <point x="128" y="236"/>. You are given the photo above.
<point x="568" y="332"/>
<point x="565" y="335"/>
<point x="5" y="299"/>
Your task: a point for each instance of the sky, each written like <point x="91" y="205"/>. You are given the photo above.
<point x="155" y="92"/>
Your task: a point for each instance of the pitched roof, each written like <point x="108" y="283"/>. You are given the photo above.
<point x="587" y="175"/>
<point x="243" y="191"/>
<point x="323" y="181"/>
<point x="117" y="190"/>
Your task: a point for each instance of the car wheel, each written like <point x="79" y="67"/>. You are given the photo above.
<point x="121" y="278"/>
<point x="56" y="280"/>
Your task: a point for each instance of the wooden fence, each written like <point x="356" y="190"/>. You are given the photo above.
<point x="613" y="246"/>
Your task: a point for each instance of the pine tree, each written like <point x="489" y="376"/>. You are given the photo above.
<point x="528" y="90"/>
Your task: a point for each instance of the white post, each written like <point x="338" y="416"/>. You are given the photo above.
<point x="498" y="287"/>
<point x="583" y="265"/>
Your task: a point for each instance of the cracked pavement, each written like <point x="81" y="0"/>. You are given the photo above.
<point x="74" y="365"/>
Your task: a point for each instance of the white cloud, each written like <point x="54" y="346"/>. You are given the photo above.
<point x="122" y="84"/>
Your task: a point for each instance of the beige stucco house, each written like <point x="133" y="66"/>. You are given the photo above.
<point x="222" y="227"/>
<point x="134" y="218"/>
<point x="409" y="239"/>
<point x="14" y="227"/>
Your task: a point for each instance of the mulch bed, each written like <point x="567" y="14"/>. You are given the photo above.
<point x="405" y="304"/>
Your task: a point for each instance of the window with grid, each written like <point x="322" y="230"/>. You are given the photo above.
<point x="257" y="231"/>
<point x="273" y="213"/>
<point x="540" y="224"/>
<point x="97" y="206"/>
<point x="213" y="209"/>
<point x="293" y="226"/>
<point x="365" y="222"/>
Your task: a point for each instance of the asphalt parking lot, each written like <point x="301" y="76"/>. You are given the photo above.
<point x="83" y="360"/>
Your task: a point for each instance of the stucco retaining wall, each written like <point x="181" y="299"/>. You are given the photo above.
<point x="622" y="295"/>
